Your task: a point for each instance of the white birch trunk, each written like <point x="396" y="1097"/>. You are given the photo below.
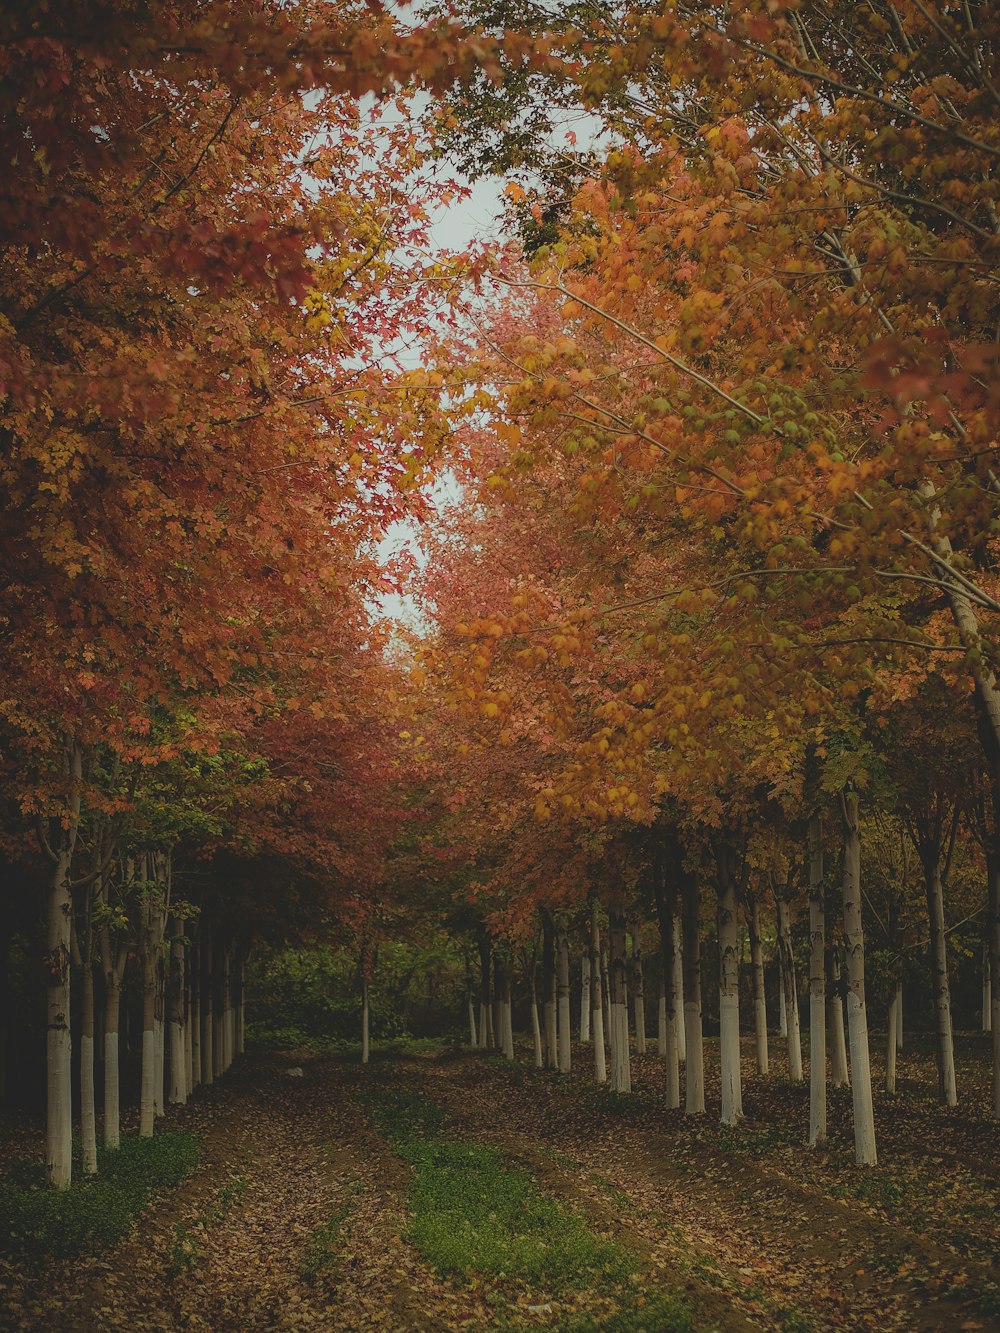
<point x="839" y="1075"/>
<point x="585" y="998"/>
<point x="857" y="1015"/>
<point x="817" y="987"/>
<point x="759" y="996"/>
<point x="729" y="992"/>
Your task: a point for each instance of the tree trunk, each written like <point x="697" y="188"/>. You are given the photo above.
<point x="562" y="971"/>
<point x="485" y="999"/>
<point x="585" y="998"/>
<point x="549" y="991"/>
<point x="364" y="1017"/>
<point x="729" y="985"/>
<point x="987" y="1014"/>
<point x="759" y="997"/>
<point x="890" y="1043"/>
<point x="88" y="1108"/>
<point x="899" y="1016"/>
<point x="178" y="1054"/>
<point x="857" y="1015"/>
<point x="194" y="1017"/>
<point x="839" y="1076"/>
<point x="694" y="1079"/>
<point x="112" y="1079"/>
<point x="638" y="991"/>
<point x="159" y="1013"/>
<point x="473" y="1042"/>
<point x="59" y="1053"/>
<point x="782" y="1003"/>
<point x="536" y="1030"/>
<point x="665" y="891"/>
<point x="817" y="987"/>
<point x="661" y="1020"/>
<point x="147" y="1095"/>
<point x="621" y="1068"/>
<point x="790" y="989"/>
<point x="207" y="1020"/>
<point x="945" y="1047"/>
<point x="606" y="996"/>
<point x="678" y="981"/>
<point x="596" y="1000"/>
<point x="993" y="944"/>
<point x="508" y="1018"/>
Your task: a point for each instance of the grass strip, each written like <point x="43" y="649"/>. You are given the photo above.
<point x="96" y="1211"/>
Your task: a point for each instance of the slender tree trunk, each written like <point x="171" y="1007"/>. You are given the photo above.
<point x="241" y="1010"/>
<point x="59" y="1053"/>
<point x="536" y="1030"/>
<point x="817" y="987"/>
<point x="364" y="1017"/>
<point x="596" y="1000"/>
<point x="88" y="1107"/>
<point x="473" y="1041"/>
<point x="759" y="997"/>
<point x="729" y="986"/>
<point x="508" y="1018"/>
<point x="485" y="1005"/>
<point x="112" y="1080"/>
<point x="606" y="996"/>
<point x="857" y="1014"/>
<point x="694" y="1080"/>
<point x="549" y="991"/>
<point x="782" y="1003"/>
<point x="947" y="1087"/>
<point x="665" y="891"/>
<point x="993" y="945"/>
<point x="178" y="1055"/>
<point x="839" y="1075"/>
<point x="194" y="1021"/>
<point x="218" y="1007"/>
<point x="638" y="991"/>
<point x="562" y="971"/>
<point x="987" y="1014"/>
<point x="661" y="1020"/>
<point x="890" y="1043"/>
<point x="678" y="982"/>
<point x="147" y="1094"/>
<point x="207" y="1019"/>
<point x="621" y="1069"/>
<point x="585" y="998"/>
<point x="899" y="1016"/>
<point x="159" y="1014"/>
<point x="790" y="990"/>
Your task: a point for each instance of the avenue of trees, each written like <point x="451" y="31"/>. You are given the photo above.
<point x="706" y="661"/>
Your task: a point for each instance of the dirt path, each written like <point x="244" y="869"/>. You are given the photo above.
<point x="296" y="1216"/>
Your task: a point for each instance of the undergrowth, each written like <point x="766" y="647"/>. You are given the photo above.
<point x="96" y="1211"/>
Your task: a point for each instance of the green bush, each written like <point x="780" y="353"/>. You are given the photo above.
<point x="96" y="1211"/>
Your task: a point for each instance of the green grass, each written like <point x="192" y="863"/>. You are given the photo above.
<point x="321" y="1251"/>
<point x="659" y="1314"/>
<point x="96" y="1211"/>
<point x="475" y="1215"/>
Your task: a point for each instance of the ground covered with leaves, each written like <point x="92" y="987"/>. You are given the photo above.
<point x="442" y="1190"/>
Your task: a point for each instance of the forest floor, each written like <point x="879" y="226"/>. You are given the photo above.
<point x="306" y="1212"/>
